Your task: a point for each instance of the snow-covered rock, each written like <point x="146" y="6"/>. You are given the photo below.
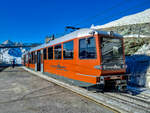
<point x="138" y="18"/>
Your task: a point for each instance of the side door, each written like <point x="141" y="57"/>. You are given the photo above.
<point x="38" y="60"/>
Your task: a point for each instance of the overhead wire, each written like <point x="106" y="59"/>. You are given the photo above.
<point x="121" y="12"/>
<point x="102" y="12"/>
<point x="108" y="17"/>
<point x="88" y="19"/>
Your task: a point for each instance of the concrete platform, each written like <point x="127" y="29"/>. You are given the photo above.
<point x="23" y="92"/>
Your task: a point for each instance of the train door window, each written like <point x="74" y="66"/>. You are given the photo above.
<point x="32" y="57"/>
<point x="87" y="48"/>
<point x="57" y="50"/>
<point x="45" y="54"/>
<point x="24" y="60"/>
<point x="68" y="50"/>
<point x="50" y="53"/>
<point x="27" y="58"/>
<point x="35" y="58"/>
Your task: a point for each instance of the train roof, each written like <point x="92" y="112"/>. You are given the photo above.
<point x="79" y="33"/>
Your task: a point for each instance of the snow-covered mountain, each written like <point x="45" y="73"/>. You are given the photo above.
<point x="138" y="18"/>
<point x="8" y="42"/>
<point x="136" y="25"/>
<point x="9" y="54"/>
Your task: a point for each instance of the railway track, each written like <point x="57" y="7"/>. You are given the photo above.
<point x="118" y="102"/>
<point x="130" y="103"/>
<point x="140" y="97"/>
<point x="146" y="97"/>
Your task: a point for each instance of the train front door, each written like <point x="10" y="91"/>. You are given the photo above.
<point x="38" y="61"/>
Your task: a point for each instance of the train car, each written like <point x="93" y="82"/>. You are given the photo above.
<point x="86" y="57"/>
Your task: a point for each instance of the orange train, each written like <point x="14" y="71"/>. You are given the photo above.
<point x="86" y="57"/>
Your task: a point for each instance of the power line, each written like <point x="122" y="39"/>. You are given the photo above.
<point x="102" y="12"/>
<point x="111" y="16"/>
<point x="90" y="18"/>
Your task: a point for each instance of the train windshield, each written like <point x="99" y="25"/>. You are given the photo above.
<point x="112" y="53"/>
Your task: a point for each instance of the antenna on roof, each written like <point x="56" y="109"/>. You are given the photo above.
<point x="49" y="38"/>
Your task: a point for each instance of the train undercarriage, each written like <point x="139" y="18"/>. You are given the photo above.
<point x="113" y="83"/>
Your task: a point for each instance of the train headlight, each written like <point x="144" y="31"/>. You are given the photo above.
<point x="98" y="67"/>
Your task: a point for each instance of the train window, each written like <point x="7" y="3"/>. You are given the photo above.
<point x="50" y="53"/>
<point x="68" y="50"/>
<point x="45" y="54"/>
<point x="87" y="48"/>
<point x="57" y="50"/>
<point x="112" y="52"/>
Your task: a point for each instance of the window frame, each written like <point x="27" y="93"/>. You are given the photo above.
<point x="45" y="57"/>
<point x="52" y="52"/>
<point x="79" y="48"/>
<point x="72" y="49"/>
<point x="61" y="51"/>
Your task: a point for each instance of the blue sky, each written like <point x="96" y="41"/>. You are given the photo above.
<point x="31" y="20"/>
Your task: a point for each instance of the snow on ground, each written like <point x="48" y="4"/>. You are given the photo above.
<point x="142" y="17"/>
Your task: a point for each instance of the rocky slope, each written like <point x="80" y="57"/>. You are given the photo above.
<point x="134" y="30"/>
